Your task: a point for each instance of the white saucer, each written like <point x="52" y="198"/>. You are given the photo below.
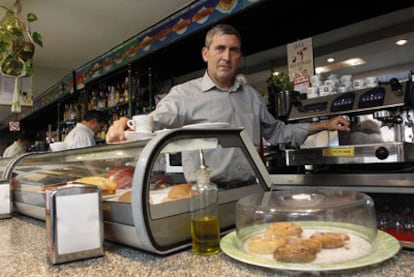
<point x="132" y="135"/>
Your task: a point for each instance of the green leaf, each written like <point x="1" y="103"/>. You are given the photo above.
<point x="27" y="48"/>
<point x="282" y="82"/>
<point x="3" y="46"/>
<point x="28" y="67"/>
<point x="9" y="13"/>
<point x="31" y="17"/>
<point x="37" y="38"/>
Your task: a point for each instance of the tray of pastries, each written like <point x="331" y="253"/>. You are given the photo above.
<point x="308" y="230"/>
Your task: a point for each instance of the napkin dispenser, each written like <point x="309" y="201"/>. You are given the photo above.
<point x="74" y="223"/>
<point x="5" y="201"/>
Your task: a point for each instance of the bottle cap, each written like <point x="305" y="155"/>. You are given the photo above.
<point x="203" y="174"/>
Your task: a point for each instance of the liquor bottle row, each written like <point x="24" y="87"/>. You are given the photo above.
<point x="74" y="112"/>
<point x="118" y="97"/>
<point x="109" y="96"/>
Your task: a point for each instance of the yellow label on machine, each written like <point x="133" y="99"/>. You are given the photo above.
<point x="338" y="152"/>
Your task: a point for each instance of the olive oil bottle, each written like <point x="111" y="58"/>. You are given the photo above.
<point x="205" y="226"/>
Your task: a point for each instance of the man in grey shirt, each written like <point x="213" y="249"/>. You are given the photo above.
<point x="219" y="97"/>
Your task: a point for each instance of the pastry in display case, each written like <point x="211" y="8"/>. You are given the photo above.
<point x="145" y="183"/>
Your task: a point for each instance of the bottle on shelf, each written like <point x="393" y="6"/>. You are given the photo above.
<point x="66" y="113"/>
<point x="117" y="94"/>
<point x="126" y="92"/>
<point x="101" y="101"/>
<point x="64" y="133"/>
<point x="111" y="100"/>
<point x="121" y="93"/>
<point x="72" y="112"/>
<point x="205" y="226"/>
<point x="76" y="111"/>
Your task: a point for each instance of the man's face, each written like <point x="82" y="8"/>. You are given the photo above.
<point x="97" y="126"/>
<point x="223" y="58"/>
<point x="26" y="143"/>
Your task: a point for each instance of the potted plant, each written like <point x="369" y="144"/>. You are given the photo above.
<point x="17" y="45"/>
<point x="281" y="94"/>
<point x="281" y="82"/>
<point x="17" y="42"/>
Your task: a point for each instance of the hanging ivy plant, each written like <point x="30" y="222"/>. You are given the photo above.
<point x="17" y="42"/>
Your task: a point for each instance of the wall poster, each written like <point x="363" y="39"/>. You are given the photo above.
<point x="300" y="62"/>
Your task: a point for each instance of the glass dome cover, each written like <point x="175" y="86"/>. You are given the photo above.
<point x="315" y="211"/>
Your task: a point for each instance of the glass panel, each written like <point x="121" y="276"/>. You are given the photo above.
<point x="36" y="173"/>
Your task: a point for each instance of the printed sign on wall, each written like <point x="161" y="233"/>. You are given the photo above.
<point x="14" y="126"/>
<point x="300" y="58"/>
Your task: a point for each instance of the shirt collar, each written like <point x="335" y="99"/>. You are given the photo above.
<point x="208" y="84"/>
<point x="84" y="127"/>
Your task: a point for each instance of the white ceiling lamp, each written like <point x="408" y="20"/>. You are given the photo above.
<point x="401" y="42"/>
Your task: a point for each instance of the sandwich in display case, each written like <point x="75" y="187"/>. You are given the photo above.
<point x="145" y="183"/>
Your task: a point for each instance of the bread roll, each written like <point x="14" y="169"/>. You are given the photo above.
<point x="330" y="240"/>
<point x="264" y="245"/>
<point x="107" y="186"/>
<point x="283" y="229"/>
<point x="294" y="254"/>
<point x="180" y="191"/>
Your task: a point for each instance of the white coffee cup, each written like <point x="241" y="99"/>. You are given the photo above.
<point x="325" y="90"/>
<point x="316" y="80"/>
<point x="332" y="83"/>
<point x="346" y="79"/>
<point x="333" y="77"/>
<point x="371" y="81"/>
<point x="359" y="84"/>
<point x="313" y="92"/>
<point x="141" y="123"/>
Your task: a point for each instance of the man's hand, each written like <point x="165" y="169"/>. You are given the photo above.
<point x="338" y="123"/>
<point x="116" y="131"/>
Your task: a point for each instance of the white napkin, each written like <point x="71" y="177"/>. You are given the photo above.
<point x="78" y="225"/>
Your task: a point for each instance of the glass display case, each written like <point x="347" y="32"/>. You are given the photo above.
<point x="149" y="209"/>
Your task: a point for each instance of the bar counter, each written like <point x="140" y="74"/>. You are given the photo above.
<point x="23" y="253"/>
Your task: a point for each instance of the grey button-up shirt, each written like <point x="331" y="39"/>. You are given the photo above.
<point x="201" y="101"/>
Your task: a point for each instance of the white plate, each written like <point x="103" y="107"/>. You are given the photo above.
<point x="131" y="135"/>
<point x="383" y="247"/>
<point x="208" y="125"/>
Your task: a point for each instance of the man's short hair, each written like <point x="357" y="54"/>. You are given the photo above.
<point x="100" y="116"/>
<point x="220" y="29"/>
<point x="25" y="136"/>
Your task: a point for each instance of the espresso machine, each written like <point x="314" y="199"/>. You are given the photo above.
<point x="381" y="120"/>
<point x="376" y="156"/>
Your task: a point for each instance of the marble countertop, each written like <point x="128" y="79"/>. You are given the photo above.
<point x="23" y="253"/>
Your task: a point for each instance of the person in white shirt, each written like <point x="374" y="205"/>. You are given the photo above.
<point x="18" y="147"/>
<point x="83" y="135"/>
